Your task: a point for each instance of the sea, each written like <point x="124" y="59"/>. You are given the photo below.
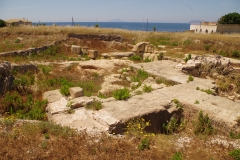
<point x="135" y="26"/>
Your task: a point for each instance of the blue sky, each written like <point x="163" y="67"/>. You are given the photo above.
<point x="126" y="10"/>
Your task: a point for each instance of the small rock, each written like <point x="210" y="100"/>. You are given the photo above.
<point x="93" y="54"/>
<point x="76" y="92"/>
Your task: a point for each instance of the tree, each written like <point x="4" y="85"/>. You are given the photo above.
<point x="231" y="18"/>
<point x="96" y="25"/>
<point x="154" y="28"/>
<point x="2" y="23"/>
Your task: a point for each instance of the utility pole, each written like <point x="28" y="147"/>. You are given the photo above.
<point x="147" y="26"/>
<point x="72" y="22"/>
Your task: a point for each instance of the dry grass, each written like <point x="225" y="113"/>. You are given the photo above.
<point x="46" y="140"/>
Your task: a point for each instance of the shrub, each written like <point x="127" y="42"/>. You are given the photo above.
<point x="141" y="76"/>
<point x="203" y="125"/>
<point x="144" y="144"/>
<point x="164" y="81"/>
<point x="208" y="91"/>
<point x="177" y="156"/>
<point x="135" y="58"/>
<point x="136" y="126"/>
<point x="121" y="94"/>
<point x="196" y="102"/>
<point x="234" y="135"/>
<point x="147" y="88"/>
<point x="188" y="57"/>
<point x="235" y="154"/>
<point x="17" y="41"/>
<point x="207" y="47"/>
<point x="46" y="69"/>
<point x="190" y="78"/>
<point x="95" y="105"/>
<point x="2" y="23"/>
<point x="160" y="56"/>
<point x="187" y="42"/>
<point x="147" y="60"/>
<point x="236" y="54"/>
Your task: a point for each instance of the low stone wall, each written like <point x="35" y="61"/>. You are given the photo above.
<point x="6" y="77"/>
<point x="228" y="28"/>
<point x="102" y="37"/>
<point x="29" y="51"/>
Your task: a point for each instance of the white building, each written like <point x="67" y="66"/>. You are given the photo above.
<point x="204" y="27"/>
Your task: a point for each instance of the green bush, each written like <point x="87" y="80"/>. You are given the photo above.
<point x="190" y="78"/>
<point x="17" y="41"/>
<point x="95" y="105"/>
<point x="160" y="56"/>
<point x="144" y="144"/>
<point x="141" y="76"/>
<point x="147" y="88"/>
<point x="203" y="125"/>
<point x="147" y="60"/>
<point x="46" y="69"/>
<point x="187" y="42"/>
<point x="121" y="94"/>
<point x="135" y="58"/>
<point x="2" y="23"/>
<point x="207" y="47"/>
<point x="188" y="57"/>
<point x="208" y="91"/>
<point x="14" y="104"/>
<point x="236" y="54"/>
<point x="235" y="154"/>
<point x="177" y="156"/>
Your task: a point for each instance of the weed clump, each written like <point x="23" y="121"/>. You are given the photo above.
<point x="235" y="154"/>
<point x="203" y="125"/>
<point x="147" y="88"/>
<point x="135" y="58"/>
<point x="188" y="58"/>
<point x="121" y="94"/>
<point x="95" y="105"/>
<point x="190" y="78"/>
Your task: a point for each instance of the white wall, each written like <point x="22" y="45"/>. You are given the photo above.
<point x="202" y="28"/>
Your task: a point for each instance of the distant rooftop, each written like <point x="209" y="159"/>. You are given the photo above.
<point x="16" y="20"/>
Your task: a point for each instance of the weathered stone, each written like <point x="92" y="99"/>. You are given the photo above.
<point x="85" y="50"/>
<point x="76" y="92"/>
<point x="80" y="102"/>
<point x="6" y="78"/>
<point x="139" y="48"/>
<point x="76" y="49"/>
<point x="52" y="96"/>
<point x="146" y="55"/>
<point x="93" y="54"/>
<point x="57" y="106"/>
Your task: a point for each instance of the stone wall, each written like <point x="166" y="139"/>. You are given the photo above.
<point x="102" y="37"/>
<point x="6" y="77"/>
<point x="29" y="51"/>
<point x="228" y="28"/>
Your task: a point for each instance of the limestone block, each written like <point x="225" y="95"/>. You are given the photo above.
<point x="93" y="54"/>
<point x="85" y="50"/>
<point x="76" y="92"/>
<point x="152" y="57"/>
<point x="146" y="55"/>
<point x="76" y="49"/>
<point x="58" y="106"/>
<point x="67" y="47"/>
<point x="80" y="102"/>
<point x="52" y="96"/>
<point x="139" y="48"/>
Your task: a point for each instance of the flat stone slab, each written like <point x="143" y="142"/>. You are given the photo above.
<point x="52" y="96"/>
<point x="163" y="69"/>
